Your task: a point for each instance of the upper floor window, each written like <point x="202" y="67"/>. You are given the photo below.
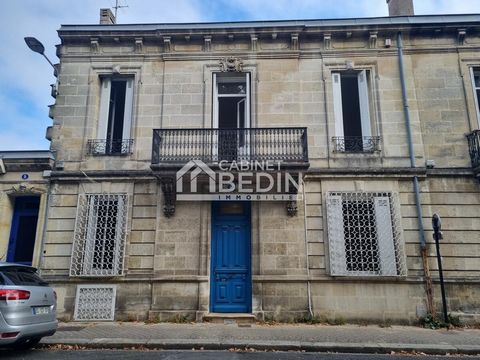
<point x="475" y="72"/>
<point x="115" y="117"/>
<point x="231" y="115"/>
<point x="364" y="234"/>
<point x="353" y="130"/>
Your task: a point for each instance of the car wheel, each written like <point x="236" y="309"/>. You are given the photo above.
<point x="26" y="344"/>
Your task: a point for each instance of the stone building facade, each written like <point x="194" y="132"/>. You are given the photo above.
<point x="24" y="194"/>
<point x="119" y="245"/>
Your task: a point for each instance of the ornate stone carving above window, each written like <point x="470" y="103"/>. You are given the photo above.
<point x="231" y="64"/>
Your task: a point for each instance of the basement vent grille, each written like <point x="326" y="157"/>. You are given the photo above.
<point x="364" y="234"/>
<point x="95" y="302"/>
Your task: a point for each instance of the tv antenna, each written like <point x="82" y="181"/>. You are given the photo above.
<point x="116" y="7"/>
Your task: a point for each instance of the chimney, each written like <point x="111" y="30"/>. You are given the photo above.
<point x="400" y="7"/>
<point x="106" y="17"/>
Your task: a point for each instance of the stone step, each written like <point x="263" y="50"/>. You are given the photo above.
<point x="229" y="318"/>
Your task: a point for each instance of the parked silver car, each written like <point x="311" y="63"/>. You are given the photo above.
<point x="27" y="307"/>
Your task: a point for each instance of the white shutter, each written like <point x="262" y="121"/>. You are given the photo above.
<point x="386" y="245"/>
<point x="337" y="104"/>
<point x="364" y="103"/>
<point x="475" y="97"/>
<point x="121" y="222"/>
<point x="91" y="233"/>
<point x="247" y="104"/>
<point x="106" y="88"/>
<point x="336" y="235"/>
<point x="127" y="117"/>
<point x="214" y="139"/>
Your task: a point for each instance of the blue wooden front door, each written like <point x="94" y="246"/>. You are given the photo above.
<point x="230" y="279"/>
<point x="23" y="230"/>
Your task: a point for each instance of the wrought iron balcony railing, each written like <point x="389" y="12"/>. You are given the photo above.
<point x="474" y="147"/>
<point x="356" y="144"/>
<point x="214" y="145"/>
<point x="98" y="147"/>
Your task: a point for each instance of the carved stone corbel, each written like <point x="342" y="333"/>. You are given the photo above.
<point x="253" y="42"/>
<point x="138" y="45"/>
<point x="294" y="42"/>
<point x="169" y="195"/>
<point x="167" y="44"/>
<point x="94" y="45"/>
<point x="292" y="208"/>
<point x="207" y="43"/>
<point x="462" y="33"/>
<point x="372" y="42"/>
<point x="327" y="41"/>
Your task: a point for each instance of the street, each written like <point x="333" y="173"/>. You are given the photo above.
<point x="210" y="355"/>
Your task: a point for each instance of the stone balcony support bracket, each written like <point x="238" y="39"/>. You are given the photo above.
<point x="168" y="186"/>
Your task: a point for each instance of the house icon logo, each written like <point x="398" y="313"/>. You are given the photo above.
<point x="195" y="167"/>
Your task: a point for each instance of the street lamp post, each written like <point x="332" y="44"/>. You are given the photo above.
<point x="437" y="236"/>
<point x="36" y="46"/>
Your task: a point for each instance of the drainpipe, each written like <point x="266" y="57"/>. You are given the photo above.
<point x="44" y="230"/>
<point x="416" y="187"/>
<point x="307" y="253"/>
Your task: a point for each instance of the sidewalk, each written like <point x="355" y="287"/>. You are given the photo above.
<point x="322" y="338"/>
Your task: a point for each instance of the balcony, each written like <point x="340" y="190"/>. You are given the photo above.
<point x="356" y="144"/>
<point x="284" y="148"/>
<point x="288" y="146"/>
<point x="474" y="150"/>
<point x="102" y="147"/>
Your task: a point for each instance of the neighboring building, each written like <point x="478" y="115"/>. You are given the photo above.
<point x="24" y="180"/>
<point x="136" y="103"/>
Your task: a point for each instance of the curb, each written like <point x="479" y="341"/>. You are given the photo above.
<point x="180" y="344"/>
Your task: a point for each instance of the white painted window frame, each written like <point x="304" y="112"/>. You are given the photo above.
<point x="473" y="70"/>
<point x="364" y="102"/>
<point x="235" y="77"/>
<point x="106" y="88"/>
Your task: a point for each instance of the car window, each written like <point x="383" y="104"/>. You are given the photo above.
<point x="25" y="277"/>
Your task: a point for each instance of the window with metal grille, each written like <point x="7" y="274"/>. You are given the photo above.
<point x="364" y="234"/>
<point x="100" y="233"/>
<point x="95" y="302"/>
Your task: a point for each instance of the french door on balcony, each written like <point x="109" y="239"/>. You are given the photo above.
<point x="231" y="111"/>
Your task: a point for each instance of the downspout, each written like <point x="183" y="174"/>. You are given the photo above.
<point x="44" y="230"/>
<point x="307" y="253"/>
<point x="416" y="187"/>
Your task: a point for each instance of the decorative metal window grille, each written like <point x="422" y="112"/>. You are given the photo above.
<point x="100" y="232"/>
<point x="364" y="234"/>
<point x="95" y="302"/>
<point x="111" y="147"/>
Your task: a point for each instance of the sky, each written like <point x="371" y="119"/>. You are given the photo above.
<point x="25" y="76"/>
